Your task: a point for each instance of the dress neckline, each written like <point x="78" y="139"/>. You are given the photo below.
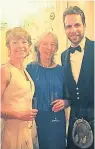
<point x="48" y="67"/>
<point x="20" y="69"/>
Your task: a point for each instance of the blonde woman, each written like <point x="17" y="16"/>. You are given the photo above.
<point x="49" y="93"/>
<point x="17" y="89"/>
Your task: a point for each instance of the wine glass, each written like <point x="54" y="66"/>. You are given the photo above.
<point x="34" y="103"/>
<point x="53" y="98"/>
<point x="34" y="106"/>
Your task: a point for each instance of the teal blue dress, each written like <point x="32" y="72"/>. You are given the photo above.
<point x="49" y="85"/>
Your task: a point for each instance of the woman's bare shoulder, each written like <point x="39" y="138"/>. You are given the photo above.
<point x="5" y="71"/>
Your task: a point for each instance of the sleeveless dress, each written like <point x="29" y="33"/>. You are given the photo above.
<point x="49" y="85"/>
<point x="17" y="134"/>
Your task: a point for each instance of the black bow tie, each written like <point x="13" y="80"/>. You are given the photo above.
<point x="72" y="49"/>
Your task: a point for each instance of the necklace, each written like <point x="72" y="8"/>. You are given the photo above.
<point x="45" y="66"/>
<point x="49" y="66"/>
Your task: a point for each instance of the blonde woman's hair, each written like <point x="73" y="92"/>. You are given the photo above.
<point x="19" y="33"/>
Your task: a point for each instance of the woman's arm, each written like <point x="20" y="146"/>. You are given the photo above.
<point x="5" y="79"/>
<point x="6" y="109"/>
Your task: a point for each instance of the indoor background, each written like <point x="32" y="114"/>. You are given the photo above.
<point x="38" y="16"/>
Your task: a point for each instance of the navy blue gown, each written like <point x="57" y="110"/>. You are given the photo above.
<point x="49" y="85"/>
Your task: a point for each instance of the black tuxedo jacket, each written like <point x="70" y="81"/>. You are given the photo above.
<point x="81" y="94"/>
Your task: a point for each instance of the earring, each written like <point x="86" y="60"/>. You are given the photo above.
<point x="9" y="52"/>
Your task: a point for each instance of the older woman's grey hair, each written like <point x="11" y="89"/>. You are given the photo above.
<point x="37" y="43"/>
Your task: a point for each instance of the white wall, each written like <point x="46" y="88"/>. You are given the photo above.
<point x="58" y="6"/>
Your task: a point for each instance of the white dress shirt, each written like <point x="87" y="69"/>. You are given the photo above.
<point x="76" y="61"/>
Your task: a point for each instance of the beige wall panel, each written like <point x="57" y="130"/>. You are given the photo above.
<point x="60" y="7"/>
<point x="88" y="8"/>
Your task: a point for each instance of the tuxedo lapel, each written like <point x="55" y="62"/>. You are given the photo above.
<point x="86" y="62"/>
<point x="84" y="71"/>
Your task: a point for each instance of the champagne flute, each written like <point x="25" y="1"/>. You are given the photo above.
<point x="53" y="98"/>
<point x="34" y="103"/>
<point x="34" y="106"/>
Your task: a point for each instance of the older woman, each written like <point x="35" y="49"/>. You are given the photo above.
<point x="17" y="88"/>
<point x="49" y="90"/>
